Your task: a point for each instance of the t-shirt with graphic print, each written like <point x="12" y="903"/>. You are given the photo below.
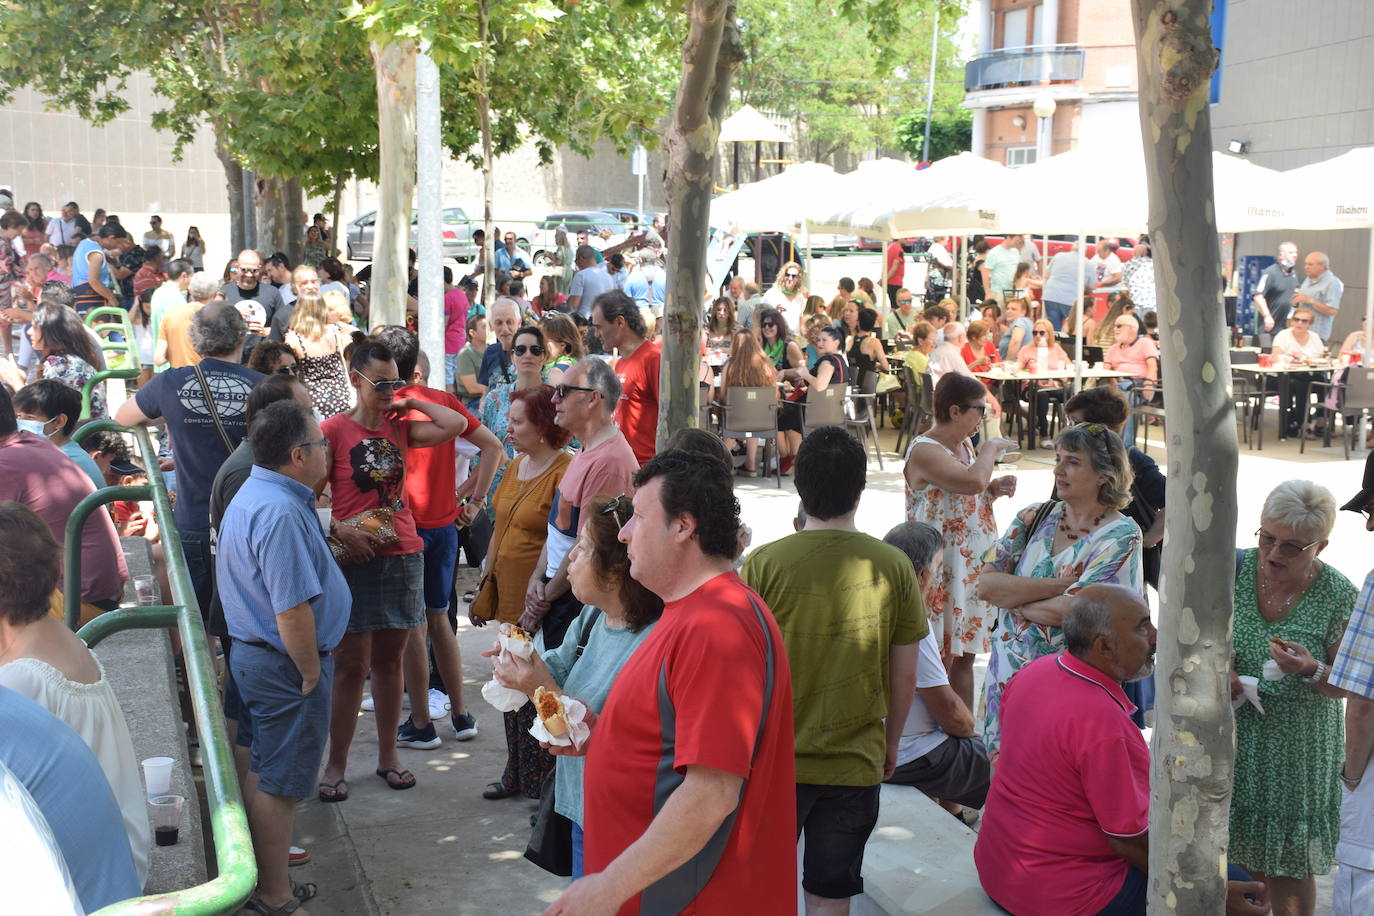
<point x="368" y="471"/>
<point x="197" y="446"/>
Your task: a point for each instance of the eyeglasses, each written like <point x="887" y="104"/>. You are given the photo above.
<point x="791" y="275"/>
<point x="613" y="508"/>
<point x="561" y="391"/>
<point x="1301" y="320"/>
<point x="250" y="270"/>
<point x="903" y="301"/>
<point x="286" y="370"/>
<point x="981" y="408"/>
<point x="392" y="384"/>
<point x="767" y="324"/>
<point x="1282" y="548"/>
<point x="522" y="349"/>
<point x="1038" y="333"/>
<point x="316" y="442"/>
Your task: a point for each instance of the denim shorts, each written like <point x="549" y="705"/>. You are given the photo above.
<point x="450" y="368"/>
<point x="441" y="560"/>
<point x="289" y="729"/>
<point x="388" y="592"/>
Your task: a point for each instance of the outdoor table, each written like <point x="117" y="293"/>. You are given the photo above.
<point x="1284" y="377"/>
<point x="1005" y="376"/>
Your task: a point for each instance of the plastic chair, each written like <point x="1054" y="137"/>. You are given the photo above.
<point x="863" y="406"/>
<point x="753" y="412"/>
<point x="1247" y="395"/>
<point x="823" y="408"/>
<point x="1355" y="394"/>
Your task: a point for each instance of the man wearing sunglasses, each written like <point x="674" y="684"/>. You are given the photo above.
<point x="1353" y="671"/>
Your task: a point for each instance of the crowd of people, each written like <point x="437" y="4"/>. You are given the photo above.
<point x="738" y="696"/>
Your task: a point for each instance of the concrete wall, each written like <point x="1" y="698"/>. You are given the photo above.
<point x="1298" y="87"/>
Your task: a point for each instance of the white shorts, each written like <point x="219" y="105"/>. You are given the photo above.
<point x="1354" y="890"/>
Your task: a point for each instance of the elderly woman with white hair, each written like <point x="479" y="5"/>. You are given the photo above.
<point x="1291" y="609"/>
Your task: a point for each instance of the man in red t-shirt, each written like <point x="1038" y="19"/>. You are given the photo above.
<point x="689" y="791"/>
<point x="431" y="494"/>
<point x="894" y="270"/>
<point x="616" y="319"/>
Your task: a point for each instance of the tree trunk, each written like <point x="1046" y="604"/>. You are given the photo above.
<point x="395" y="66"/>
<point x="280" y="217"/>
<point x="710" y="56"/>
<point x="1193" y="755"/>
<point x="334" y="207"/>
<point x="488" y="176"/>
<point x="233" y="187"/>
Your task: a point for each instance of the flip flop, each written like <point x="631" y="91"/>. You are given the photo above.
<point x="495" y="790"/>
<point x="330" y="792"/>
<point x="304" y="891"/>
<point x="407" y="778"/>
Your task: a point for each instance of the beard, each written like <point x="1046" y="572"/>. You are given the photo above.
<point x="1145" y="670"/>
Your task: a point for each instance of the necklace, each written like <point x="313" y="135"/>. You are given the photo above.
<point x="1074" y="534"/>
<point x="1271" y="596"/>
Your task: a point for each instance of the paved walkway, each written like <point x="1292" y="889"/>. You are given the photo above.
<point x="442" y="848"/>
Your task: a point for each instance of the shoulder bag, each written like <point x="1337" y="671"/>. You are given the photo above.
<point x="550" y="845"/>
<point x="210" y="405"/>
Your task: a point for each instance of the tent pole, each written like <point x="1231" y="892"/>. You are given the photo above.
<point x="806" y="244"/>
<point x="1368" y="340"/>
<point x="960" y="260"/>
<point x="1078" y="318"/>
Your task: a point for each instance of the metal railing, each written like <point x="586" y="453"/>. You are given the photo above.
<point x="235" y="866"/>
<point x="121" y="356"/>
<point x="1023" y="66"/>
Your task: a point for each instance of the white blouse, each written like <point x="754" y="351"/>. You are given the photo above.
<point x="93" y="712"/>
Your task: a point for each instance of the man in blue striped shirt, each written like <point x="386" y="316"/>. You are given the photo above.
<point x="1353" y="671"/>
<point x="286" y="605"/>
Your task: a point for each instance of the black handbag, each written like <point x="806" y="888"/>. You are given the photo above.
<point x="550" y="845"/>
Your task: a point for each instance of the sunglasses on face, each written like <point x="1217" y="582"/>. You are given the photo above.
<point x="981" y="408"/>
<point x="1302" y="320"/>
<point x="562" y="391"/>
<point x="767" y="324"/>
<point x="1039" y="333"/>
<point x="791" y="276"/>
<point x="392" y="385"/>
<point x="250" y="270"/>
<point x="522" y="349"/>
<point x="903" y="301"/>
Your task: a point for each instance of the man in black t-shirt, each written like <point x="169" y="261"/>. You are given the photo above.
<point x="1274" y="294"/>
<point x="252" y="284"/>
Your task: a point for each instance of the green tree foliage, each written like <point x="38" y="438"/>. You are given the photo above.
<point x="950" y="133"/>
<point x="850" y="70"/>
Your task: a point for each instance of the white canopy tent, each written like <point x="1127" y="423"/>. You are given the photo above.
<point x="890" y="199"/>
<point x="776" y="203"/>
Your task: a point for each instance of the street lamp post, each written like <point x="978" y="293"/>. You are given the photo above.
<point x="1044" y="110"/>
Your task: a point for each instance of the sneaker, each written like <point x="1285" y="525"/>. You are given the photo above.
<point x="464" y="726"/>
<point x="420" y="739"/>
<point x="438" y="704"/>
<point x="297" y="856"/>
<point x="369" y="704"/>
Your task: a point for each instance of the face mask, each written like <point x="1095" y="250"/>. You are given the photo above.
<point x="37" y="427"/>
<point x="1287" y="262"/>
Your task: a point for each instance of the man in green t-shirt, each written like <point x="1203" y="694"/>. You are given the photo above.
<point x="852" y="619"/>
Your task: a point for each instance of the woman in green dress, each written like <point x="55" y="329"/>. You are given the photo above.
<point x="1285" y="803"/>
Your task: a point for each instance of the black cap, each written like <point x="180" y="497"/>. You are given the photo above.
<point x="125" y="467"/>
<point x="467" y="283"/>
<point x="1366" y="494"/>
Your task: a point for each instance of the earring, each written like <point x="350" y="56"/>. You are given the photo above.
<point x="541" y="440"/>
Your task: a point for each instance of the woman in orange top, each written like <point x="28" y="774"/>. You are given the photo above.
<point x="522" y="502"/>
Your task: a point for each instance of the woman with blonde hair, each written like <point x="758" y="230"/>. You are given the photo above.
<point x="563" y="345"/>
<point x="815" y="305"/>
<point x="319" y="346"/>
<point x="747" y="367"/>
<point x="1103" y="334"/>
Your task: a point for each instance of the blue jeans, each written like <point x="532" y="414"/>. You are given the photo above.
<point x="1130" y="900"/>
<point x="195" y="546"/>
<point x="577" y="851"/>
<point x="1056" y="312"/>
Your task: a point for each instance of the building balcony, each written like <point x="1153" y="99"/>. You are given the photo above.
<point x="1016" y="67"/>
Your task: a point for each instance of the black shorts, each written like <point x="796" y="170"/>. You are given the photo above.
<point x="836" y="821"/>
<point x="956" y="770"/>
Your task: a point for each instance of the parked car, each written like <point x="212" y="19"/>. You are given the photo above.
<point x="542" y="247"/>
<point x="457" y="231"/>
<point x="631" y="216"/>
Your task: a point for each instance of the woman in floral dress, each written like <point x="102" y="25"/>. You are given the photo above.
<point x="319" y="345"/>
<point x="66" y="352"/>
<point x="1285" y="802"/>
<point x="1031" y="576"/>
<point x="950" y="486"/>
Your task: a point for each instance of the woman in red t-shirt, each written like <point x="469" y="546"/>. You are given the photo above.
<point x="385" y="569"/>
<point x="979" y="351"/>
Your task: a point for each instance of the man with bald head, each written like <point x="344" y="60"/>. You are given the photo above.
<point x="251" y="283"/>
<point x="1320" y="291"/>
<point x="1066" y="827"/>
<point x="503" y="320"/>
<point x="948" y="356"/>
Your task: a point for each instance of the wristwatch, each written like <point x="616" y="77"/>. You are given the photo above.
<point x="1319" y="674"/>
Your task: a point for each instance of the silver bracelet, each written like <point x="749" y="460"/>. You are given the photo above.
<point x="1316" y="677"/>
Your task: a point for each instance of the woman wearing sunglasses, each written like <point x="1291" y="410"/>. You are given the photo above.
<point x="527" y="354"/>
<point x="1044" y="354"/>
<point x="381" y="553"/>
<point x="1285" y="805"/>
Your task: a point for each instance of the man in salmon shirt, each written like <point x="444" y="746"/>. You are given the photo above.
<point x="689" y="792"/>
<point x="1066" y="827"/>
<point x="622" y="329"/>
<point x="432" y="496"/>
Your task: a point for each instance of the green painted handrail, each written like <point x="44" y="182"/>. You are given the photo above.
<point x="126" y="348"/>
<point x="71" y="556"/>
<point x="236" y="870"/>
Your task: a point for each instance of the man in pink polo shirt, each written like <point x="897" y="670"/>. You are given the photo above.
<point x="1066" y="827"/>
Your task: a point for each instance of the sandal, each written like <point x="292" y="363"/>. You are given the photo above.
<point x="495" y="790"/>
<point x="304" y="891"/>
<point x="255" y="905"/>
<point x="407" y="778"/>
<point x="330" y="791"/>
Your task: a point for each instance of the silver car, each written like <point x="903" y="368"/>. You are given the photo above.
<point x="457" y="229"/>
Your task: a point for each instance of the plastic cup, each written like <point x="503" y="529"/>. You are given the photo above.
<point x="165" y="811"/>
<point x="157" y="775"/>
<point x="145" y="591"/>
<point x="324" y="514"/>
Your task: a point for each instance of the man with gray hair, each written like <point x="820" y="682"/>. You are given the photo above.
<point x="204" y="407"/>
<point x="1066" y="827"/>
<point x="1273" y="295"/>
<point x="939" y="752"/>
<point x="949" y="357"/>
<point x="1321" y="292"/>
<point x="583" y="404"/>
